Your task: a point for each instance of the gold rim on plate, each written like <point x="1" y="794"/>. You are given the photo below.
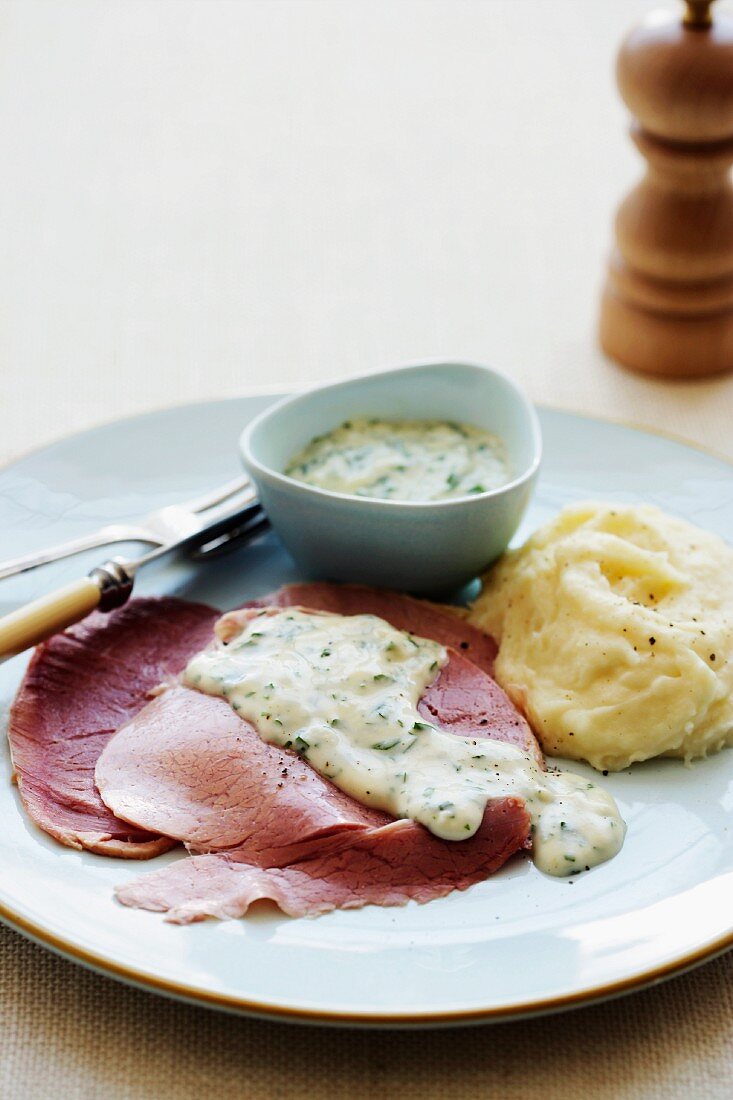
<point x="149" y="981"/>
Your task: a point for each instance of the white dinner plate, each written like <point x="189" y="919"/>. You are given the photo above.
<point x="519" y="943"/>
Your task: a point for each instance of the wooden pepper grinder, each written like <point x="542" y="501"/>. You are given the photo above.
<point x="667" y="306"/>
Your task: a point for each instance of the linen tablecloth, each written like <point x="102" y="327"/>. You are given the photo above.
<point x="199" y="199"/>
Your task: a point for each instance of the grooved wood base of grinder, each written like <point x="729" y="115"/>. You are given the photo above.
<point x="663" y="344"/>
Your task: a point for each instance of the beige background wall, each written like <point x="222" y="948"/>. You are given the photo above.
<point x="198" y="198"/>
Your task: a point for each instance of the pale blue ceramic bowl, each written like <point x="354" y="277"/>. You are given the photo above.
<point x="432" y="547"/>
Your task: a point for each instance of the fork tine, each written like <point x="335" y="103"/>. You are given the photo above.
<point x="256" y="524"/>
<point x="245" y="499"/>
<point x="216" y="496"/>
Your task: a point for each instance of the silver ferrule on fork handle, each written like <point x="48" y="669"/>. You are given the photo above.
<point x="115" y="579"/>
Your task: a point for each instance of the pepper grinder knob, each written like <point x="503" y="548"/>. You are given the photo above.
<point x="697" y="13"/>
<point x="667" y="306"/>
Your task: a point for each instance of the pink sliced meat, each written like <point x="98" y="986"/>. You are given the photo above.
<point x="79" y="688"/>
<point x="184" y="767"/>
<point x="390" y="865"/>
<point x="430" y="620"/>
<point x="469" y="703"/>
<point x="188" y="766"/>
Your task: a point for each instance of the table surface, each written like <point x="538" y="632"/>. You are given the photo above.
<point x="206" y="198"/>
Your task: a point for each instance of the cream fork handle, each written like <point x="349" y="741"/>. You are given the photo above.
<point x="104" y="537"/>
<point x="48" y="615"/>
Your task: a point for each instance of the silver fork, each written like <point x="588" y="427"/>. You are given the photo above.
<point x="166" y="525"/>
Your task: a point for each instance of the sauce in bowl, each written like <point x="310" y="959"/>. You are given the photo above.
<point x="434" y="544"/>
<point x="408" y="460"/>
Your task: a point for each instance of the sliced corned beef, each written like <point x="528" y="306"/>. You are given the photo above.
<point x="79" y="688"/>
<point x="470" y="703"/>
<point x="189" y="767"/>
<point x="390" y="865"/>
<point x="185" y="767"/>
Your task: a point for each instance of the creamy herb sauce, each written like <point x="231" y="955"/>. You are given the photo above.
<point x="403" y="460"/>
<point x="343" y="692"/>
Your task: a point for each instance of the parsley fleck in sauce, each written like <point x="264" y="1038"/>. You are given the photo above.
<point x="417" y="460"/>
<point x="342" y="690"/>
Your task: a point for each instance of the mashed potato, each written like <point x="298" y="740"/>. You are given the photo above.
<point x="615" y="625"/>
